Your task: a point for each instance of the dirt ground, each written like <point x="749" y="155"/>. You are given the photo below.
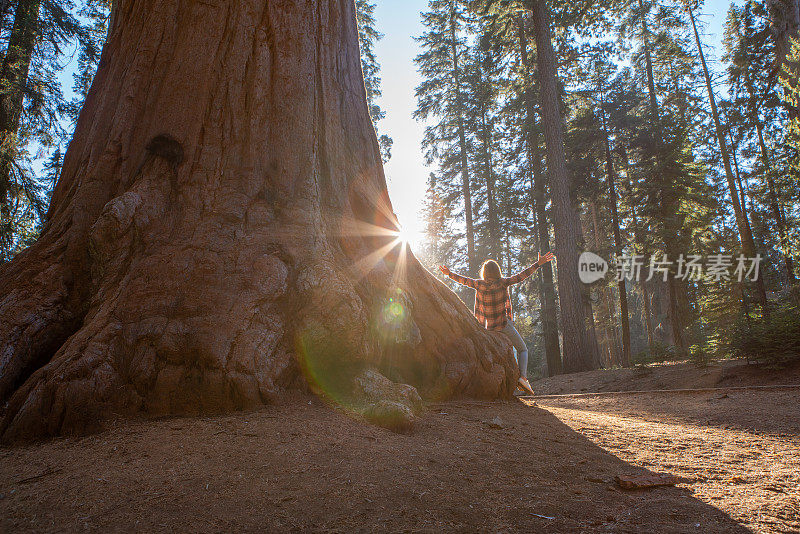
<point x="680" y="375"/>
<point x="739" y="451"/>
<point x="305" y="466"/>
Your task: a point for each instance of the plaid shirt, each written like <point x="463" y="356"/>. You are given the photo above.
<point x="492" y="304"/>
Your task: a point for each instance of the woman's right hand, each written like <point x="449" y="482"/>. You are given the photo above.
<point x="444" y="269"/>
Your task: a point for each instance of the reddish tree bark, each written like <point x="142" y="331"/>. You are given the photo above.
<point x="220" y="225"/>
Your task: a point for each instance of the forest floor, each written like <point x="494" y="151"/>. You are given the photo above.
<point x="543" y="466"/>
<point x="677" y="375"/>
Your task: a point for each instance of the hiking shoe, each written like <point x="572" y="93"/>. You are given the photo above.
<point x="525" y="386"/>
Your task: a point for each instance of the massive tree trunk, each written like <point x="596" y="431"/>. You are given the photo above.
<point x="13" y="82"/>
<point x="577" y="355"/>
<point x="547" y="294"/>
<point x="222" y="225"/>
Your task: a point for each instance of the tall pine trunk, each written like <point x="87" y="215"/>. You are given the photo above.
<point x="13" y="82"/>
<point x="638" y="236"/>
<point x="670" y="237"/>
<point x="740" y="186"/>
<point x="769" y="179"/>
<point x="462" y="143"/>
<point x="615" y="224"/>
<point x="549" y="312"/>
<point x="609" y="340"/>
<point x="592" y="341"/>
<point x="491" y="203"/>
<point x="743" y="200"/>
<point x="745" y="234"/>
<point x="547" y="294"/>
<point x="577" y="356"/>
<point x="221" y="232"/>
<point x="774" y="203"/>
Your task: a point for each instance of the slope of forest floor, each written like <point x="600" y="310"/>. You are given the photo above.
<point x="671" y="375"/>
<point x="304" y="466"/>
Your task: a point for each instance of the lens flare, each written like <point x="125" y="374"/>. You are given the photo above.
<point x="330" y="355"/>
<point x="393" y="312"/>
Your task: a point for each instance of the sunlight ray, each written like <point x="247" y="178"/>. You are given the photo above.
<point x="364" y="265"/>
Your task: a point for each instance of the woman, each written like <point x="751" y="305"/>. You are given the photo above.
<point x="493" y="306"/>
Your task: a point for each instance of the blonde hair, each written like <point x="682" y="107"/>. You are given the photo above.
<point x="491" y="269"/>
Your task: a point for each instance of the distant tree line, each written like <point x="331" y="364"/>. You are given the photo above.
<point x="600" y="126"/>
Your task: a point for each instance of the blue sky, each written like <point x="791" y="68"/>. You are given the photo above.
<point x="406" y="174"/>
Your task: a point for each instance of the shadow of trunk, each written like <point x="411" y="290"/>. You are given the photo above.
<point x="306" y="467"/>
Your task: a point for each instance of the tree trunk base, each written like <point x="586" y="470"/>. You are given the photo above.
<point x="221" y="233"/>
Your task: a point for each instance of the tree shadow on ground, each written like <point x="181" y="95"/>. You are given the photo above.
<point x="302" y="466"/>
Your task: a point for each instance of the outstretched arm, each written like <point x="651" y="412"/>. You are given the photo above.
<point x="519" y="277"/>
<point x="463" y="280"/>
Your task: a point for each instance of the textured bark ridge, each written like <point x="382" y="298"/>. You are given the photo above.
<point x="219" y="234"/>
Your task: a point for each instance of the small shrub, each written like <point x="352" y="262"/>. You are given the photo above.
<point x="699" y="356"/>
<point x="774" y="339"/>
<point x="657" y="353"/>
<point x="660" y="352"/>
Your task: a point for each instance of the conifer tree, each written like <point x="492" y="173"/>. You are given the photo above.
<point x="367" y="37"/>
<point x="577" y="355"/>
<point x="31" y="105"/>
<point x="745" y="233"/>
<point x="749" y="55"/>
<point x="440" y="97"/>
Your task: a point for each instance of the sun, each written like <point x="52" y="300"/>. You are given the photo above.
<point x="403" y="236"/>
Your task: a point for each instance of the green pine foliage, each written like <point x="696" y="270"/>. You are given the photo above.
<point x="367" y="37"/>
<point x="38" y="40"/>
<point x="671" y="191"/>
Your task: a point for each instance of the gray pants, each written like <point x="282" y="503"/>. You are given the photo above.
<point x="522" y="350"/>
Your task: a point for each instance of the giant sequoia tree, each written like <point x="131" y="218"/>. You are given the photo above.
<point x="221" y="223"/>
